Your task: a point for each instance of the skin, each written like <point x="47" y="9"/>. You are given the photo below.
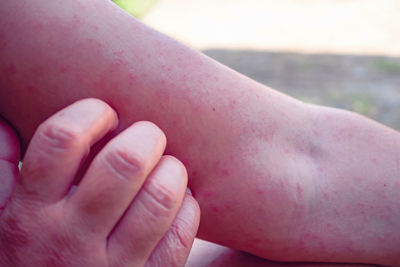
<point x="206" y="254"/>
<point x="273" y="176"/>
<point x="130" y="208"/>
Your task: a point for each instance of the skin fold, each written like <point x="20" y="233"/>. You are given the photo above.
<point x="274" y="177"/>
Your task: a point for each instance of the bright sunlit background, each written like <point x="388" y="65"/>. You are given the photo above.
<point x="342" y="53"/>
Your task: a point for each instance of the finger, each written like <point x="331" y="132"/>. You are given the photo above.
<point x="9" y="144"/>
<point x="150" y="215"/>
<point x="9" y="159"/>
<point x="59" y="146"/>
<point x="115" y="176"/>
<point x="174" y="248"/>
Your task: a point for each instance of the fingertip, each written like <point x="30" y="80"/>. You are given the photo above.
<point x="98" y="104"/>
<point x="9" y="143"/>
<point x="153" y="127"/>
<point x="191" y="209"/>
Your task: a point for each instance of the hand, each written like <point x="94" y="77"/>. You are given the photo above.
<point x="130" y="208"/>
<point x="9" y="159"/>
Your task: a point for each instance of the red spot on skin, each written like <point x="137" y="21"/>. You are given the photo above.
<point x="119" y="53"/>
<point x="117" y="36"/>
<point x="286" y="151"/>
<point x="214" y="209"/>
<point x="148" y="55"/>
<point x="382" y="240"/>
<point x="213" y="109"/>
<point x="95" y="28"/>
<point x="232" y="104"/>
<point x="216" y="79"/>
<point x="299" y="190"/>
<point x="227" y="207"/>
<point x="38" y="27"/>
<point x="208" y="194"/>
<point x="374" y="160"/>
<point x="256" y="149"/>
<point x="326" y="196"/>
<point x="336" y="211"/>
<point x="225" y="172"/>
<point x="65" y="69"/>
<point x="316" y="133"/>
<point x="95" y="43"/>
<point x="328" y="225"/>
<point x="76" y="20"/>
<point x="132" y="79"/>
<point x="260" y="191"/>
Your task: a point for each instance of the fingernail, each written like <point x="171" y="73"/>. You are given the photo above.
<point x="188" y="191"/>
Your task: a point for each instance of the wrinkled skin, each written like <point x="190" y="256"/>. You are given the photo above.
<point x="130" y="208"/>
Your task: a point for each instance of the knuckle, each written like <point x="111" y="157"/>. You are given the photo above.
<point x="159" y="200"/>
<point x="58" y="136"/>
<point x="14" y="234"/>
<point x="174" y="251"/>
<point x="125" y="164"/>
<point x="181" y="238"/>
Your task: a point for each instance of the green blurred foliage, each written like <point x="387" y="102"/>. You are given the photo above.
<point x="386" y="65"/>
<point x="136" y="8"/>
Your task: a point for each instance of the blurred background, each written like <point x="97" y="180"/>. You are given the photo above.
<point x="341" y="53"/>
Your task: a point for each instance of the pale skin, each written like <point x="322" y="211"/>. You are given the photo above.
<point x="273" y="176"/>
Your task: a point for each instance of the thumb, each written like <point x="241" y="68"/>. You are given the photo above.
<point x="9" y="159"/>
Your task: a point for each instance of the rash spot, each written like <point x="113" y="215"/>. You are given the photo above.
<point x="119" y="53"/>
<point x="225" y="172"/>
<point x="208" y="194"/>
<point x="299" y="190"/>
<point x="260" y="191"/>
<point x="132" y="79"/>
